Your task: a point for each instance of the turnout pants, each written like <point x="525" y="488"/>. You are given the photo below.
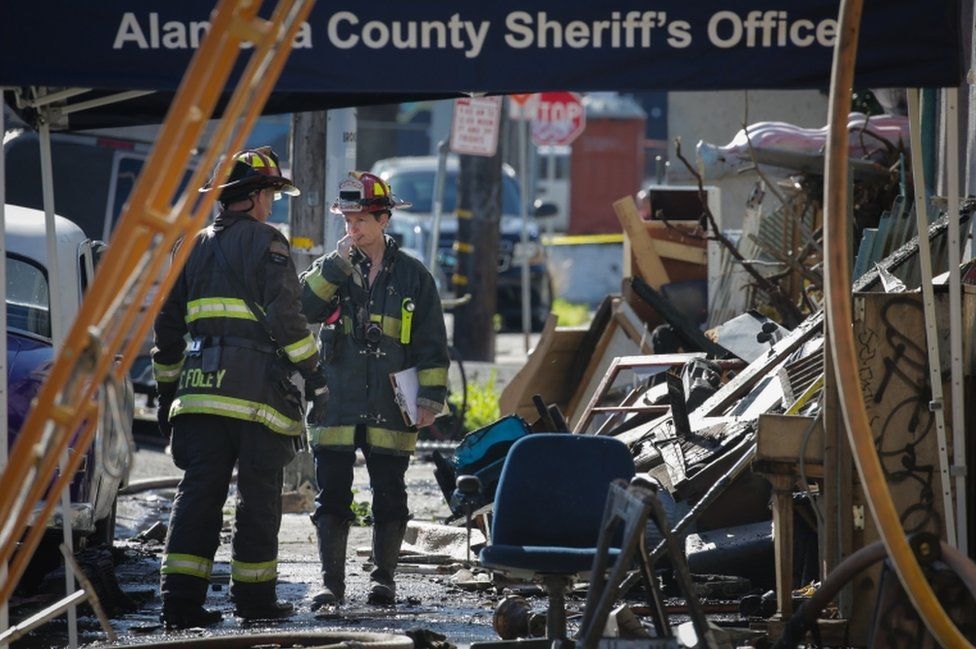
<point x="333" y="473"/>
<point x="207" y="447"/>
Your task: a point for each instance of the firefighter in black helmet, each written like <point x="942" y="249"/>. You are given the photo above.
<point x="229" y="394"/>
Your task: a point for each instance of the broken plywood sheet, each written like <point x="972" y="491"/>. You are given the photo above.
<point x="548" y="372"/>
<point x="889" y="333"/>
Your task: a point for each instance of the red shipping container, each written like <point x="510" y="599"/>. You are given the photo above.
<point x="606" y="163"/>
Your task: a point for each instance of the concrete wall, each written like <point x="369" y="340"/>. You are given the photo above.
<point x="717" y="116"/>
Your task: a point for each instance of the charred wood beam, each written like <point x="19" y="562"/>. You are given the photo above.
<point x="684" y="328"/>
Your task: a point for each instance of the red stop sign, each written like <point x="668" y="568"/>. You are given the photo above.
<point x="558" y="118"/>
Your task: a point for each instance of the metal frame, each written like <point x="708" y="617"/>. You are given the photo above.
<point x="629" y="363"/>
<point x="937" y="404"/>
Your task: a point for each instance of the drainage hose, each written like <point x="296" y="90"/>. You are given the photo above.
<point x="806" y="616"/>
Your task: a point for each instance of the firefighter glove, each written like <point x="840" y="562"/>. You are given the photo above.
<point x="163" y="402"/>
<point x="317" y="394"/>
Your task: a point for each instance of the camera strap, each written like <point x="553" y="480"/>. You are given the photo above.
<point x="362" y="312"/>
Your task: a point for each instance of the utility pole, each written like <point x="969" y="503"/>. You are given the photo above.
<point x="323" y="151"/>
<point x="307" y="211"/>
<point x="479" y="211"/>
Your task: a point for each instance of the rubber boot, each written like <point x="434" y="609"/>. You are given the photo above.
<point x="332" y="532"/>
<point x="273" y="610"/>
<point x="387" y="538"/>
<point x="184" y="614"/>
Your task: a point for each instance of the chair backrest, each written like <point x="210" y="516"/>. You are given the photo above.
<point x="553" y="489"/>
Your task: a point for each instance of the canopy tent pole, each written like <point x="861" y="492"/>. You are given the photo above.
<point x="49" y="98"/>
<point x="4" y="609"/>
<point x="57" y="337"/>
<point x="937" y="403"/>
<point x="839" y="312"/>
<point x="958" y="467"/>
<point x="523" y="145"/>
<point x="103" y="101"/>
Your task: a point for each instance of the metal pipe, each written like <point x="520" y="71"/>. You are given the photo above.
<point x="707" y="499"/>
<point x="958" y="468"/>
<point x="937" y="404"/>
<point x="17" y="631"/>
<point x="4" y="609"/>
<point x="103" y="101"/>
<point x="524" y="212"/>
<point x="50" y="98"/>
<point x="55" y="318"/>
<point x="837" y="302"/>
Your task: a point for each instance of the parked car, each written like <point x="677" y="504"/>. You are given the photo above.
<point x="93" y="177"/>
<point x="412" y="179"/>
<point x="30" y="356"/>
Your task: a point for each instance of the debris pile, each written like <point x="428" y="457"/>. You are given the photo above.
<point x="728" y="408"/>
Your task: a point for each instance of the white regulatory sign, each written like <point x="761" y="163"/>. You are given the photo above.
<point x="474" y="130"/>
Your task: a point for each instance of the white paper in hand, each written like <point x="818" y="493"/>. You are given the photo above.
<point x="405" y="386"/>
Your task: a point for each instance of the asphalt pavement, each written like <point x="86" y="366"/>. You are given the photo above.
<point x="428" y="597"/>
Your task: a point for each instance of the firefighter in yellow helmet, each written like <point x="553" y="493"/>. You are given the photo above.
<point x="381" y="313"/>
<point x="229" y="394"/>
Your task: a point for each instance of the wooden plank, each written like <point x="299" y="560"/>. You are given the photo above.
<point x="680" y="251"/>
<point x="889" y="336"/>
<point x="780" y="439"/>
<point x="547" y="372"/>
<point x="596" y="358"/>
<point x="648" y="262"/>
<point x="657" y="408"/>
<point x="783" y="542"/>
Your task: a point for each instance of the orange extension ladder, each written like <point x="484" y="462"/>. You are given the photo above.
<point x="112" y="319"/>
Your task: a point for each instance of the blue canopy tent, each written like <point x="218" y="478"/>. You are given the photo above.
<point x="351" y="54"/>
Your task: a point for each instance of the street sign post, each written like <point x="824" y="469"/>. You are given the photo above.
<point x="558" y="118"/>
<point x="474" y="130"/>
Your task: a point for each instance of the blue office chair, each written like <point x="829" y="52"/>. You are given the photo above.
<point x="548" y="512"/>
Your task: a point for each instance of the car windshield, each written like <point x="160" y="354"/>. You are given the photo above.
<point x="27" y="298"/>
<point x="418" y="188"/>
